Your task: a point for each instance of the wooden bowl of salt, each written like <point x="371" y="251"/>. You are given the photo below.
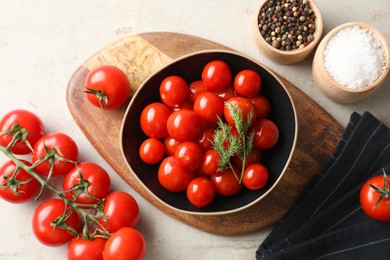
<point x="351" y="62"/>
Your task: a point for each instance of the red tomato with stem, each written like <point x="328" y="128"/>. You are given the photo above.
<point x="210" y="162"/>
<point x="195" y="88"/>
<point x="173" y="90"/>
<point x="152" y="151"/>
<point x="170" y="145"/>
<point x="209" y="106"/>
<point x="247" y="83"/>
<point x="184" y="125"/>
<point x="92" y="177"/>
<point x="107" y="87"/>
<point x="125" y="244"/>
<point x="266" y="134"/>
<point x="172" y="176"/>
<point x="63" y="152"/>
<point x="261" y="105"/>
<point x="226" y="183"/>
<point x="13" y="122"/>
<point x="121" y="210"/>
<point x="216" y="75"/>
<point x="243" y="105"/>
<point x="255" y="176"/>
<point x="189" y="155"/>
<point x="201" y="192"/>
<point x="374" y="204"/>
<point x="153" y="120"/>
<point x="26" y="187"/>
<point x="84" y="249"/>
<point x="45" y="215"/>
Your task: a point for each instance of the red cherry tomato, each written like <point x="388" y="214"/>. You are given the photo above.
<point x="205" y="139"/>
<point x="186" y="104"/>
<point x="209" y="106"/>
<point x="247" y="83"/>
<point x="125" y="244"/>
<point x="107" y="87"/>
<point x="173" y="90"/>
<point x="244" y="105"/>
<point x="24" y="191"/>
<point x="255" y="176"/>
<point x="121" y="210"/>
<point x="201" y="192"/>
<point x="226" y="183"/>
<point x="189" y="155"/>
<point x="83" y="249"/>
<point x="152" y="151"/>
<point x="184" y="125"/>
<point x="96" y="177"/>
<point x="172" y="176"/>
<point x="210" y="162"/>
<point x="195" y="88"/>
<point x="266" y="134"/>
<point x="23" y="119"/>
<point x="42" y="222"/>
<point x="261" y="105"/>
<point x="63" y="146"/>
<point x="216" y="75"/>
<point x="369" y="198"/>
<point x="226" y="93"/>
<point x="154" y="119"/>
<point x="170" y="145"/>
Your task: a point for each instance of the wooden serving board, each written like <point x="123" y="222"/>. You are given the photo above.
<point x="139" y="56"/>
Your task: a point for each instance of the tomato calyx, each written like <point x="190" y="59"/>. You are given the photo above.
<point x="18" y="134"/>
<point x="384" y="192"/>
<point x="101" y="97"/>
<point x="12" y="182"/>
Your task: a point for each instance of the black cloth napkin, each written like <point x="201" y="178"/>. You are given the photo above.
<point x="327" y="222"/>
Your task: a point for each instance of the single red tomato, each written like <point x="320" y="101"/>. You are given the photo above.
<point x="210" y="162"/>
<point x="373" y="204"/>
<point x="172" y="176"/>
<point x="173" y="90"/>
<point x="226" y="93"/>
<point x="205" y="138"/>
<point x="247" y="83"/>
<point x="107" y="87"/>
<point x="57" y="144"/>
<point x="24" y="185"/>
<point x="255" y="176"/>
<point x="121" y="210"/>
<point x="95" y="177"/>
<point x="244" y="105"/>
<point x="186" y="104"/>
<point x="125" y="244"/>
<point x="254" y="156"/>
<point x="189" y="155"/>
<point x="154" y="119"/>
<point x="216" y="75"/>
<point x="261" y="105"/>
<point x="184" y="125"/>
<point x="84" y="249"/>
<point x="195" y="88"/>
<point x="152" y="151"/>
<point x="201" y="192"/>
<point x="226" y="183"/>
<point x="266" y="134"/>
<point x="45" y="215"/>
<point x="13" y="124"/>
<point x="170" y="145"/>
<point x="209" y="106"/>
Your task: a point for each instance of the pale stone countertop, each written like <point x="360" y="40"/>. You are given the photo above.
<point x="43" y="42"/>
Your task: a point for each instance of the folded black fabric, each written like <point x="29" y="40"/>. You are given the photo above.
<point x="330" y="209"/>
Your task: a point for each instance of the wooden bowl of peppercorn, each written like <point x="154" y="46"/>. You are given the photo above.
<point x="288" y="31"/>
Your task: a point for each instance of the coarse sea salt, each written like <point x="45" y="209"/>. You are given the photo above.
<point x="354" y="58"/>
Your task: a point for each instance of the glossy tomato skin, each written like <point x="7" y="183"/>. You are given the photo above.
<point x="44" y="215"/>
<point x="121" y="210"/>
<point x="112" y="81"/>
<point x="247" y="83"/>
<point x="153" y="120"/>
<point x="242" y="104"/>
<point x="201" y="192"/>
<point x="255" y="176"/>
<point x="152" y="151"/>
<point x="125" y="244"/>
<point x="226" y="93"/>
<point x="172" y="176"/>
<point x="66" y="148"/>
<point x="209" y="106"/>
<point x="189" y="155"/>
<point x="170" y="145"/>
<point x="195" y="88"/>
<point x="205" y="138"/>
<point x="83" y="249"/>
<point x="261" y="105"/>
<point x="368" y="199"/>
<point x="210" y="162"/>
<point x="24" y="119"/>
<point x="99" y="182"/>
<point x="184" y="125"/>
<point x="266" y="134"/>
<point x="26" y="191"/>
<point x="173" y="90"/>
<point x="226" y="183"/>
<point x="216" y="75"/>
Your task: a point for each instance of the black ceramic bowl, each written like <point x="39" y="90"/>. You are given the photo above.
<point x="190" y="67"/>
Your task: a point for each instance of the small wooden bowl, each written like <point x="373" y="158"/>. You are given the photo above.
<point x="329" y="86"/>
<point x="190" y="68"/>
<point x="290" y="56"/>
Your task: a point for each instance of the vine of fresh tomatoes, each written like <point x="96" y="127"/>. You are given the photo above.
<point x="208" y="134"/>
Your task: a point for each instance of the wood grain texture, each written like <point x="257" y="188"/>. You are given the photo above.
<point x="140" y="55"/>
